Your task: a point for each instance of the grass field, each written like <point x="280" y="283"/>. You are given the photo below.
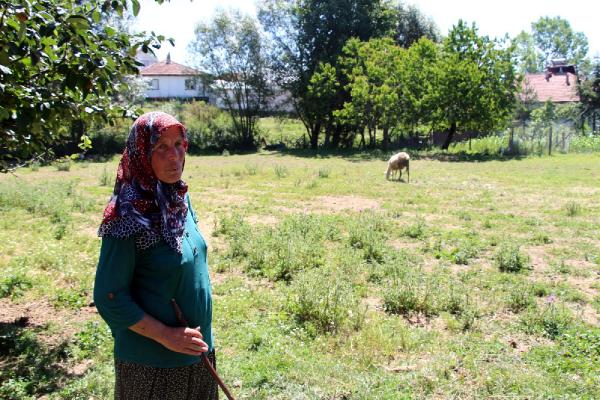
<point x="476" y="280"/>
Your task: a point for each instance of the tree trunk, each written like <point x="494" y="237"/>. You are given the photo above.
<point x="550" y="140"/>
<point x="326" y="142"/>
<point x="386" y="138"/>
<point x="314" y="135"/>
<point x="451" y="133"/>
<point x="335" y="139"/>
<point x="511" y="139"/>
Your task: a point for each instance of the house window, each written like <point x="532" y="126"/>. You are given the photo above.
<point x="153" y="84"/>
<point x="190" y="84"/>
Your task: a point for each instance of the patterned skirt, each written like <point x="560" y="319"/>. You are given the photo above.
<point x="135" y="381"/>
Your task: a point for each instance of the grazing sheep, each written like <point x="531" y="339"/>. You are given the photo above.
<point x="396" y="163"/>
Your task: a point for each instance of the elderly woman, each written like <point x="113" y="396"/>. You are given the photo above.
<point x="152" y="252"/>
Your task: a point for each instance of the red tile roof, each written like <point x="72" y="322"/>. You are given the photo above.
<point x="555" y="88"/>
<point x="172" y="68"/>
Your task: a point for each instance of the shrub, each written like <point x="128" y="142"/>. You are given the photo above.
<point x="550" y="320"/>
<point x="415" y="230"/>
<point x="325" y="301"/>
<point x="296" y="244"/>
<point x="368" y="233"/>
<point x="520" y="298"/>
<point x="63" y="164"/>
<point x="15" y="285"/>
<point x="509" y="258"/>
<point x="411" y="293"/>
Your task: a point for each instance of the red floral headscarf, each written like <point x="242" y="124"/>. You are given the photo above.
<point x="141" y="205"/>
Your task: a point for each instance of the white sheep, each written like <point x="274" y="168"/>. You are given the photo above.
<point x="398" y="162"/>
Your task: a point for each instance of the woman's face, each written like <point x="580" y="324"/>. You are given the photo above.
<point x="168" y="155"/>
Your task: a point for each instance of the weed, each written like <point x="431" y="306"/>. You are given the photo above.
<point x="509" y="258"/>
<point x="415" y="230"/>
<point x="324" y="172"/>
<point x="324" y="303"/>
<point x="520" y="297"/>
<point x="251" y="169"/>
<point x="280" y="171"/>
<point x="104" y="177"/>
<point x="572" y="209"/>
<point x="410" y="293"/>
<point x="551" y="320"/>
<point x="15" y="285"/>
<point x="70" y="298"/>
<point x="63" y="164"/>
<point x="93" y="337"/>
<point x="541" y="238"/>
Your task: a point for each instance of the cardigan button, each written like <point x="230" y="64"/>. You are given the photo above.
<point x="187" y="234"/>
<point x="111" y="296"/>
<point x="195" y="251"/>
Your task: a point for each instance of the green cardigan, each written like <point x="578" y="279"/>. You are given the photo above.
<point x="132" y="282"/>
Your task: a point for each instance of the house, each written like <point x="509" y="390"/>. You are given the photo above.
<point x="168" y="80"/>
<point x="558" y="84"/>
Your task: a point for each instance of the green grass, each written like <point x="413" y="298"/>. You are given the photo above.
<point x="330" y="282"/>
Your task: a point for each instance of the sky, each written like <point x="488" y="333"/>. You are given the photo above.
<point x="177" y="18"/>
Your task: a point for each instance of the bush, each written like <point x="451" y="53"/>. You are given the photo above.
<point x="15" y="285"/>
<point x="411" y="292"/>
<point x="585" y="144"/>
<point x="415" y="230"/>
<point x="324" y="301"/>
<point x="208" y="127"/>
<point x="551" y="320"/>
<point x="368" y="233"/>
<point x="296" y="244"/>
<point x="509" y="258"/>
<point x="520" y="297"/>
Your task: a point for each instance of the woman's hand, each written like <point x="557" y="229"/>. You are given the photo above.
<point x="180" y="340"/>
<point x="183" y="340"/>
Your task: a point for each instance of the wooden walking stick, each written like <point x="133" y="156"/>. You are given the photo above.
<point x="183" y="322"/>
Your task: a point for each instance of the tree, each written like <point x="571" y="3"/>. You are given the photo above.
<point x="556" y="39"/>
<point x="589" y="93"/>
<point x="310" y="33"/>
<point x="231" y="50"/>
<point x="372" y="70"/>
<point x="477" y="83"/>
<point x="528" y="57"/>
<point x="412" y="25"/>
<point x="550" y="38"/>
<point x="58" y="65"/>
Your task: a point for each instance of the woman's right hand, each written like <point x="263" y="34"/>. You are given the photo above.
<point x="183" y="340"/>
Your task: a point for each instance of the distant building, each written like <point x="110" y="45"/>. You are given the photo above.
<point x="558" y="84"/>
<point x="170" y="80"/>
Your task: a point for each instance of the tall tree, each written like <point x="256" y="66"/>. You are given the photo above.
<point x="527" y="55"/>
<point x="550" y="38"/>
<point x="230" y="48"/>
<point x="58" y="65"/>
<point x="477" y="83"/>
<point x="309" y="33"/>
<point x="412" y="25"/>
<point x="556" y="39"/>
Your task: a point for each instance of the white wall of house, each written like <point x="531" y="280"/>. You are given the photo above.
<point x="173" y="86"/>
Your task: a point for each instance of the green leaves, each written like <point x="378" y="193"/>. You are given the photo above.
<point x="60" y="67"/>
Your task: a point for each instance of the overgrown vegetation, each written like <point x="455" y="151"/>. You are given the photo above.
<point x="393" y="290"/>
